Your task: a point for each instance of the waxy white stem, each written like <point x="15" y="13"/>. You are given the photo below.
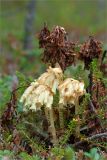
<point x="47" y="114"/>
<point x="61" y="117"/>
<point x="52" y="127"/>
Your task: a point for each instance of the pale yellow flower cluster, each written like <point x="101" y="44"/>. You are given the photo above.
<point x="70" y="90"/>
<point x="41" y="91"/>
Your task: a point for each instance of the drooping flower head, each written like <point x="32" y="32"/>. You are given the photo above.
<point x="70" y="90"/>
<point x="41" y="95"/>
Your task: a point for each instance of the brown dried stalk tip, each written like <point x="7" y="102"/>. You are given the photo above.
<point x="43" y="35"/>
<point x="89" y="50"/>
<point x="57" y="49"/>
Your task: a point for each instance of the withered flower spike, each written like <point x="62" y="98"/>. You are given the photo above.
<point x="57" y="48"/>
<point x="43" y="35"/>
<point x="89" y="50"/>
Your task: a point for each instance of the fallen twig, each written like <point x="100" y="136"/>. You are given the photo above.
<point x="91" y="138"/>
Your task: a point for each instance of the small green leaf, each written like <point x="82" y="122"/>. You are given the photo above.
<point x="69" y="154"/>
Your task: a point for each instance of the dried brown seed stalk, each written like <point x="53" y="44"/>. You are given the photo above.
<point x="89" y="50"/>
<point x="57" y="49"/>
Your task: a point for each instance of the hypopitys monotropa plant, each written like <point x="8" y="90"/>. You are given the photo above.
<point x="57" y="50"/>
<point x="70" y="90"/>
<point x="40" y="93"/>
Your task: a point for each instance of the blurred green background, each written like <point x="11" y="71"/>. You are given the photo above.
<point x="20" y="56"/>
<point x="23" y="19"/>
